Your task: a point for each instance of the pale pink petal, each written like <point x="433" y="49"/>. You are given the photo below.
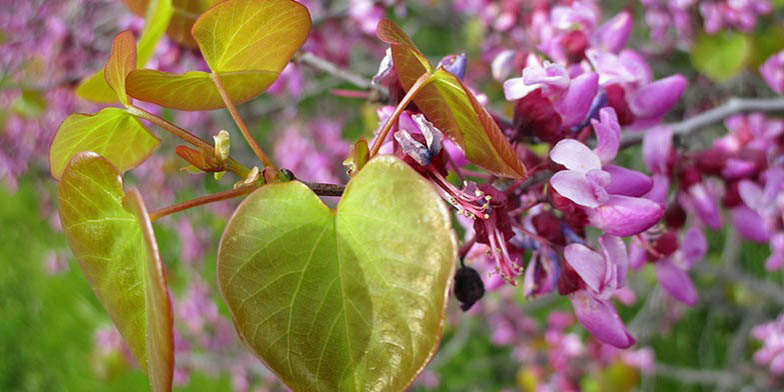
<point x="575" y="156"/>
<point x="608" y="134"/>
<point x="574" y="186"/>
<point x="590" y="265"/>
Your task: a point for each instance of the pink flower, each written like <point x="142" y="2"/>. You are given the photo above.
<point x="773" y="72"/>
<point x="601" y="274"/>
<point x="586" y="184"/>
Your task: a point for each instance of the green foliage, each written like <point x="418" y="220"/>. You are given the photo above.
<point x="721" y="56"/>
<point x="246" y="43"/>
<point x="111" y="236"/>
<point x="344" y="300"/>
<point x="112" y="132"/>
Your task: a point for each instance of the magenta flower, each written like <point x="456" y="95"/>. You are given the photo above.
<point x="601" y="274"/>
<point x="586" y="184"/>
<point x="773" y="72"/>
<point x="771" y="354"/>
<point x="571" y="97"/>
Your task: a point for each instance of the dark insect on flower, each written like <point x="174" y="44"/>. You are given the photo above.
<point x="468" y="287"/>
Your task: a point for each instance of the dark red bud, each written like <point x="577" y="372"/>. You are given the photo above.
<point x="675" y="216"/>
<point x="569" y="281"/>
<point x="535" y="115"/>
<point x="616" y="98"/>
<point x="575" y="42"/>
<point x="711" y="161"/>
<point x="731" y="197"/>
<point x="548" y="226"/>
<point x="689" y="176"/>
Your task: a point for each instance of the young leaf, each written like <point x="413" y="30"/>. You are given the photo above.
<point x="159" y="12"/>
<point x="347" y="300"/>
<point x="112" y="132"/>
<point x="122" y="60"/>
<point x="113" y="241"/>
<point x="452" y="107"/>
<point x="195" y="90"/>
<point x="247" y="43"/>
<point x="476" y="131"/>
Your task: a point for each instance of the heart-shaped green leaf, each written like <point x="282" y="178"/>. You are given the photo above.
<point x="112" y="238"/>
<point x="195" y="90"/>
<point x="247" y="43"/>
<point x="351" y="299"/>
<point x="452" y="107"/>
<point x="112" y="132"/>
<point x="159" y="12"/>
<point x="122" y="60"/>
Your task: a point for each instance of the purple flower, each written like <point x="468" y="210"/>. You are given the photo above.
<point x="773" y="72"/>
<point x="586" y="184"/>
<point x="771" y="354"/>
<point x="602" y="274"/>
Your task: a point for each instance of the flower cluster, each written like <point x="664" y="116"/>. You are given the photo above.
<point x="771" y="354"/>
<point x="671" y="19"/>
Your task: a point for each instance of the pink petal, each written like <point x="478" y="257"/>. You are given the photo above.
<point x="574" y="186"/>
<point x="614" y="250"/>
<point x="590" y="265"/>
<point x="749" y="224"/>
<point x="656" y="149"/>
<point x="627" y="182"/>
<point x="608" y="134"/>
<point x="624" y="216"/>
<point x="516" y="88"/>
<point x="655" y="99"/>
<point x="575" y="103"/>
<point x="694" y="245"/>
<point x="676" y="281"/>
<point x="600" y="319"/>
<point x="614" y="33"/>
<point x="705" y="206"/>
<point x="575" y="156"/>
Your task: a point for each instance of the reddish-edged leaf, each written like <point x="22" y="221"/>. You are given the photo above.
<point x="111" y="236"/>
<point x="122" y="60"/>
<point x="452" y="107"/>
<point x="95" y="88"/>
<point x="247" y="43"/>
<point x="195" y="90"/>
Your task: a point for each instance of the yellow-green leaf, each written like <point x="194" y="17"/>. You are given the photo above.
<point x="195" y="90"/>
<point x="346" y="300"/>
<point x="122" y="60"/>
<point x="251" y="35"/>
<point x="475" y="130"/>
<point x="113" y="241"/>
<point x="246" y="42"/>
<point x="452" y="107"/>
<point x="159" y="12"/>
<point x="112" y="132"/>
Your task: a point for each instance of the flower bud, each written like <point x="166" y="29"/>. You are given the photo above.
<point x="222" y="145"/>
